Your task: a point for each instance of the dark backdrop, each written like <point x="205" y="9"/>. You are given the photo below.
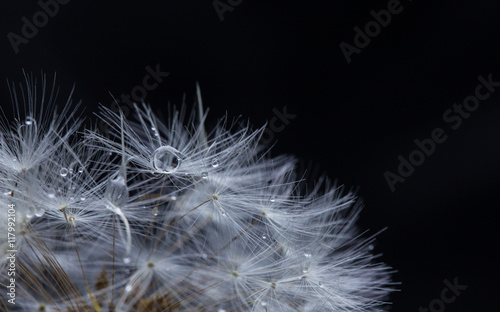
<point x="353" y="119"/>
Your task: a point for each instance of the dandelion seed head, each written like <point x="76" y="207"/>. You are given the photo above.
<point x="171" y="215"/>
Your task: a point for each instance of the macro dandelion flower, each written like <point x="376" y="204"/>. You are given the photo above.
<point x="167" y="216"/>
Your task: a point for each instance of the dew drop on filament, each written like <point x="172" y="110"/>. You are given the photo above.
<point x="39" y="211"/>
<point x="126" y="260"/>
<point x="215" y="162"/>
<point x="63" y="172"/>
<point x="29" y="121"/>
<point x="166" y="159"/>
<point x="117" y="192"/>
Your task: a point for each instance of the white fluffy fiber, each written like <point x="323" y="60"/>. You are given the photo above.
<point x="161" y="216"/>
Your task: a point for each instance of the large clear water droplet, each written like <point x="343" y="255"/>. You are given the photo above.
<point x="166" y="159"/>
<point x="117" y="192"/>
<point x="63" y="172"/>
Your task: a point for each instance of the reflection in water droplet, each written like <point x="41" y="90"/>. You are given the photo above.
<point x="166" y="159"/>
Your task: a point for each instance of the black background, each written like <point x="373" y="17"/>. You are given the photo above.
<point x="354" y="120"/>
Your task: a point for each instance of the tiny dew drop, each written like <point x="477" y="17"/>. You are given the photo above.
<point x="70" y="170"/>
<point x="30" y="212"/>
<point x="128" y="288"/>
<point x="126" y="260"/>
<point x="263" y="303"/>
<point x="117" y="192"/>
<point x="39" y="211"/>
<point x="307" y="255"/>
<point x="51" y="195"/>
<point x="215" y="162"/>
<point x="204" y="175"/>
<point x="272" y="199"/>
<point x="81" y="170"/>
<point x="29" y="121"/>
<point x="166" y="159"/>
<point x="223" y="212"/>
<point x="320" y="284"/>
<point x="63" y="172"/>
<point x="264" y="236"/>
<point x="221" y="310"/>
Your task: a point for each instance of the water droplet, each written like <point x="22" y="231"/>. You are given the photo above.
<point x="63" y="172"/>
<point x="307" y="255"/>
<point x="128" y="288"/>
<point x="81" y="169"/>
<point x="204" y="175"/>
<point x="221" y="310"/>
<point x="126" y="260"/>
<point x="264" y="236"/>
<point x="263" y="303"/>
<point x="70" y="170"/>
<point x="204" y="256"/>
<point x="51" y="195"/>
<point x="82" y="198"/>
<point x="39" y="211"/>
<point x="371" y="247"/>
<point x="173" y="198"/>
<point x="117" y="192"/>
<point x="155" y="212"/>
<point x="272" y="199"/>
<point x="30" y="213"/>
<point x="153" y="128"/>
<point x="320" y="284"/>
<point x="215" y="162"/>
<point x="166" y="159"/>
<point x="305" y="270"/>
<point x="29" y="121"/>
